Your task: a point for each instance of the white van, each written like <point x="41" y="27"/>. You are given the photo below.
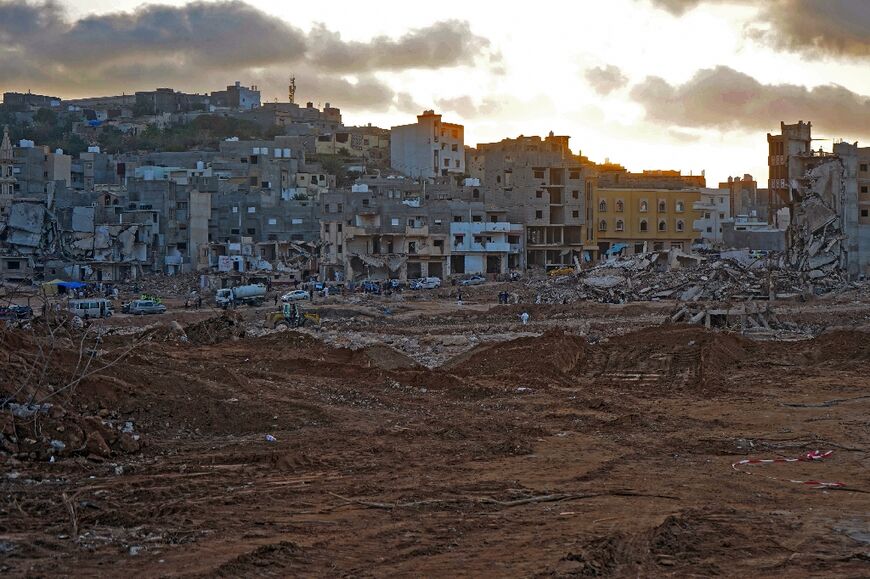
<point x="91" y="308"/>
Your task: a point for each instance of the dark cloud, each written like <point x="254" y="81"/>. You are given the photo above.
<point x="606" y="79"/>
<point x="723" y="98"/>
<point x="443" y="44"/>
<point x="40" y="48"/>
<point x="839" y="28"/>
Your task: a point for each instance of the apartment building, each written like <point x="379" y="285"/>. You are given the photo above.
<point x="7" y="174"/>
<point x="785" y="160"/>
<point x="637" y="220"/>
<point x="428" y="148"/>
<point x="714" y="208"/>
<point x="539" y="183"/>
<point x="746" y="198"/>
<point x="36" y="169"/>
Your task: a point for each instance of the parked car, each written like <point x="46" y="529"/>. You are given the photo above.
<point x="426" y="283"/>
<point x="473" y="280"/>
<point x="15" y="312"/>
<point x="295" y="295"/>
<point x="371" y="287"/>
<point x="143" y="307"/>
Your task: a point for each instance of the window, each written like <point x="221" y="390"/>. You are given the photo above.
<point x="539" y="174"/>
<point x="339" y="248"/>
<point x="365" y="202"/>
<point x="539" y="214"/>
<point x="575" y="214"/>
<point x="273" y="221"/>
<point x="296" y="221"/>
<point x="680" y="207"/>
<point x="339" y="228"/>
<point x="252" y="209"/>
<point x="863" y="188"/>
<point x="394" y="222"/>
<point x="706" y="215"/>
<point x="574" y="174"/>
<point x="602" y="225"/>
<point x="439" y="243"/>
<point x="234" y="231"/>
<point x="476" y="218"/>
<point x="663" y="225"/>
<point x="644" y="206"/>
<point x="13" y="265"/>
<point x="457" y="219"/>
<point x="663" y="206"/>
<point x="709" y="230"/>
<point x="456" y="163"/>
<point x="539" y="194"/>
<point x="677" y="244"/>
<point x="620" y="206"/>
<point x="446" y="162"/>
<point x="864" y="167"/>
<point x="602" y="206"/>
<point x="454" y="147"/>
<point x="235" y="209"/>
<point x="643" y="225"/>
<point x="721" y="216"/>
<point x="620" y="225"/>
<point x="476" y="193"/>
<point x="865" y="212"/>
<point x="680" y="225"/>
<point x="412" y="247"/>
<point x="251" y="231"/>
<point x="575" y="194"/>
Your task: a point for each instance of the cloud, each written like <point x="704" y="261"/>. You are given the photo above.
<point x="465" y="106"/>
<point x="606" y="79"/>
<point x="725" y="99"/>
<point x="816" y="28"/>
<point x="41" y="48"/>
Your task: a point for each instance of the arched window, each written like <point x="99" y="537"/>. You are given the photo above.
<point x="602" y="225"/>
<point x="663" y="225"/>
<point x="680" y="206"/>
<point x="620" y="225"/>
<point x="602" y="206"/>
<point x="680" y="225"/>
<point x="644" y="206"/>
<point x="663" y="206"/>
<point x="643" y="225"/>
<point x="476" y="193"/>
<point x="620" y="206"/>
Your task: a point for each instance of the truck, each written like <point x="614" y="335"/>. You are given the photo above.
<point x="251" y="294"/>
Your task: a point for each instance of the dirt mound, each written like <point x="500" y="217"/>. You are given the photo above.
<point x="551" y="355"/>
<point x="674" y="358"/>
<point x="227" y="326"/>
<point x="841" y="347"/>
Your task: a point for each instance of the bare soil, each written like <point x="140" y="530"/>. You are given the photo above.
<point x="595" y="442"/>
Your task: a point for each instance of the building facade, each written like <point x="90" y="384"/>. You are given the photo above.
<point x="429" y="148"/>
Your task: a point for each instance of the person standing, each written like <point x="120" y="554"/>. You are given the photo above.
<point x="525" y="318"/>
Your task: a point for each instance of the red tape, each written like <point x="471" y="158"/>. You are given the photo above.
<point x="812" y="456"/>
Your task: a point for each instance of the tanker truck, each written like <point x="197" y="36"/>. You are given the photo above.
<point x="252" y="295"/>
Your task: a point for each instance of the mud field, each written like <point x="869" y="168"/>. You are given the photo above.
<point x="431" y="441"/>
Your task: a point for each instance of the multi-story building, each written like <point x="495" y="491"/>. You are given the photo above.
<point x="368" y="143"/>
<point x="746" y="198"/>
<point x="491" y="247"/>
<point x="639" y="220"/>
<point x="36" y="168"/>
<point x="786" y="152"/>
<point x="541" y="184"/>
<point x="29" y="100"/>
<point x="714" y="208"/>
<point x="428" y="148"/>
<point x="93" y="168"/>
<point x="613" y="175"/>
<point x="236" y="97"/>
<point x="7" y="175"/>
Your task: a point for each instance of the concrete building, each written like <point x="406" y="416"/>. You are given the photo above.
<point x="27" y="100"/>
<point x="236" y="97"/>
<point x="167" y="100"/>
<point x="485" y="247"/>
<point x="786" y="152"/>
<point x="541" y="184"/>
<point x="7" y="176"/>
<point x="429" y="148"/>
<point x="714" y="210"/>
<point x="638" y="220"/>
<point x="37" y="169"/>
<point x="615" y="176"/>
<point x="746" y="198"/>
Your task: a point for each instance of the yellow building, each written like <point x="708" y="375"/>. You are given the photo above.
<point x="644" y="219"/>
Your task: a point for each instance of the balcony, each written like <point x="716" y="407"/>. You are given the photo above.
<point x="419" y="231"/>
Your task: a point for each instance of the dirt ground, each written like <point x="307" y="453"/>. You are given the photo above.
<point x="440" y="440"/>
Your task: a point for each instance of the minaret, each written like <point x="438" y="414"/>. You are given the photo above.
<point x="7" y="178"/>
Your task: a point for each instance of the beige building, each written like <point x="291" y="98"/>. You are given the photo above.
<point x="428" y="148"/>
<point x="539" y="183"/>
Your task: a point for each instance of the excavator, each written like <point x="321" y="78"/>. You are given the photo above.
<point x="290" y="316"/>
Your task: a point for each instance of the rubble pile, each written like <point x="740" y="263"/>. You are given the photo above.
<point x="227" y="326"/>
<point x="734" y="275"/>
<point x="817" y="245"/>
<point x="748" y="318"/>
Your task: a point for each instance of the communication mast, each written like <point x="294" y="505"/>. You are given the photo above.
<point x="291" y="89"/>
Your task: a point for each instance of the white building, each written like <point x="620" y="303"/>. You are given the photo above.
<point x="428" y="148"/>
<point x="486" y="247"/>
<point x="715" y="208"/>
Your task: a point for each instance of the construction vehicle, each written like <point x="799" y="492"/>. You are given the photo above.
<point x="291" y="315"/>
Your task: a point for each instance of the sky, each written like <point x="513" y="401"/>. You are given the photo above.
<point x="693" y="85"/>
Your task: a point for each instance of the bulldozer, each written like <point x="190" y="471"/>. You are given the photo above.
<point x="291" y="316"/>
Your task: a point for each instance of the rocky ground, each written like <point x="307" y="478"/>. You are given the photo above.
<point x="417" y="436"/>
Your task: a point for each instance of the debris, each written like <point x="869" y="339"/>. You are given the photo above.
<point x="270" y="438"/>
